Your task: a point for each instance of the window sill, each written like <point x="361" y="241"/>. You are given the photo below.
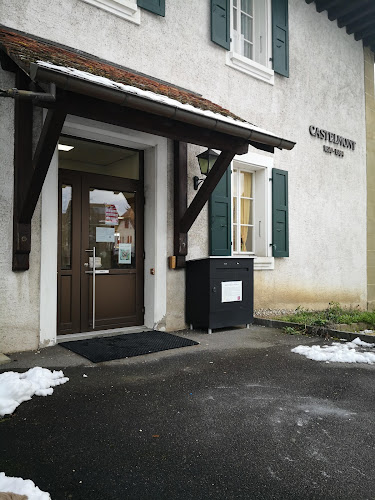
<point x="126" y="9"/>
<point x="250" y="67"/>
<point x="260" y="263"/>
<point x="264" y="263"/>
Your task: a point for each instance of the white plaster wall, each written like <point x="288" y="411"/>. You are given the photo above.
<point x="327" y="195"/>
<point x="19" y="292"/>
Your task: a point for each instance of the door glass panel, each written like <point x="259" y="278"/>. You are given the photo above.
<point x="112" y="228"/>
<point x="66" y="226"/>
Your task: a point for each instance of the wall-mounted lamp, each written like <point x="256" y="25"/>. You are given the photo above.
<point x="206" y="161"/>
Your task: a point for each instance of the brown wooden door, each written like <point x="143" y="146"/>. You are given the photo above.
<point x="106" y="214"/>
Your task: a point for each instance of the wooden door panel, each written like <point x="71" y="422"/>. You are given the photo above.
<point x="115" y="299"/>
<point x="69" y="243"/>
<point x="65" y="294"/>
<point x="119" y="293"/>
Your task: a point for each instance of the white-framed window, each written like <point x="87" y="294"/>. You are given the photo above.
<point x="251" y="208"/>
<point x="242" y="210"/>
<point x="251" y="38"/>
<point x="126" y="9"/>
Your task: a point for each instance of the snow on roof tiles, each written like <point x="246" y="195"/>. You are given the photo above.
<point x="24" y="50"/>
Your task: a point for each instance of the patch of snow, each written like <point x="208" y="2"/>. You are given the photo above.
<point x="22" y="487"/>
<point x="147" y="94"/>
<point x="15" y="388"/>
<point x="350" y="352"/>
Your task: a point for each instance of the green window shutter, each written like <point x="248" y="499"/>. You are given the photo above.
<point x="220" y="26"/>
<point x="220" y="229"/>
<point x="155" y="6"/>
<point x="280" y="37"/>
<point x="280" y="219"/>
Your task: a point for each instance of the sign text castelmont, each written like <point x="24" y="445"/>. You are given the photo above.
<point x="333" y="138"/>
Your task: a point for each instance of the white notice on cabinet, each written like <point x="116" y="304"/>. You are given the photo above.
<point x="231" y="291"/>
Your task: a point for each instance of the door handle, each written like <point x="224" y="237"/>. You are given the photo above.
<point x="93" y="283"/>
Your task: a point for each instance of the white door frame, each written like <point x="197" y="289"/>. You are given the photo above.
<point x="155" y="222"/>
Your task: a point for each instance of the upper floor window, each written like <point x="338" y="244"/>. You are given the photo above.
<point x="250" y="29"/>
<point x="255" y="34"/>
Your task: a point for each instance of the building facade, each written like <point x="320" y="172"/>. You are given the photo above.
<point x="294" y="198"/>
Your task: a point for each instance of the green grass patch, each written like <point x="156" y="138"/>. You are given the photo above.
<point x="334" y="314"/>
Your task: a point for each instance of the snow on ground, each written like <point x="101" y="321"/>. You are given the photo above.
<point x="15" y="388"/>
<point x="356" y="351"/>
<point x="22" y="487"/>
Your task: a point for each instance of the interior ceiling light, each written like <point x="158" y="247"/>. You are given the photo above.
<point x="64" y="147"/>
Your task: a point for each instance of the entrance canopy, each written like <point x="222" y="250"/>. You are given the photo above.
<point x="66" y="81"/>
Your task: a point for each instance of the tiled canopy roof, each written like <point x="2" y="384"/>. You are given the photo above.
<point x="24" y="50"/>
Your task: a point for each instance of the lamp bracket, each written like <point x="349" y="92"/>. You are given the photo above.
<point x="197" y="181"/>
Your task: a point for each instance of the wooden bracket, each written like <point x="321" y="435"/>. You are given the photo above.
<point x="185" y="216"/>
<point x="30" y="171"/>
<point x="180" y="245"/>
<point x="213" y="178"/>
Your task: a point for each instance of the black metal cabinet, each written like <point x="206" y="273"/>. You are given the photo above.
<point x="219" y="292"/>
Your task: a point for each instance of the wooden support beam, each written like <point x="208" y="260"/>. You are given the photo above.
<point x="30" y="172"/>
<point x="213" y="178"/>
<point x="23" y="130"/>
<point x="180" y="246"/>
<point x="48" y="139"/>
<point x="122" y="116"/>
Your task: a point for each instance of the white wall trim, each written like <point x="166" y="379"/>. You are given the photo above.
<point x="264" y="263"/>
<point x="48" y="256"/>
<point x="155" y="186"/>
<point x="126" y="9"/>
<point x="250" y="67"/>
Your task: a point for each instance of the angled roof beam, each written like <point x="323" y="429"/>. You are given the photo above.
<point x="369" y="32"/>
<point x="369" y="40"/>
<point x="348" y="8"/>
<point x="325" y="4"/>
<point x="344" y="20"/>
<point x="356" y="26"/>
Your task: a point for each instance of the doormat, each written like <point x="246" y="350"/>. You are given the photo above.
<point x="126" y="345"/>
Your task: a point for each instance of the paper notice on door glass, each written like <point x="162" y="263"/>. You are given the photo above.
<point x="231" y="291"/>
<point x="125" y="253"/>
<point x="111" y="215"/>
<point x="98" y="262"/>
<point x="105" y="234"/>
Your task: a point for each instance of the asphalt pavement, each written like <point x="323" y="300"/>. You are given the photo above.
<point x="237" y="417"/>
